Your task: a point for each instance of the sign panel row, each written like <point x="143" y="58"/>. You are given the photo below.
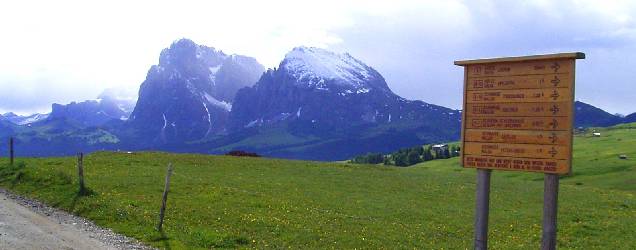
<point x="519" y="95"/>
<point x="550" y="109"/>
<point x="518" y="136"/>
<point x="519" y="164"/>
<point x="517" y="150"/>
<point x="519" y="82"/>
<point x="519" y="123"/>
<point x="540" y="67"/>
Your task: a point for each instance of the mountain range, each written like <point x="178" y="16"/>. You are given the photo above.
<point x="316" y="104"/>
<point x="188" y="96"/>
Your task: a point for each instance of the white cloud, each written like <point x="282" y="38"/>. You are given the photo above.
<point x="82" y="47"/>
<point x="59" y="51"/>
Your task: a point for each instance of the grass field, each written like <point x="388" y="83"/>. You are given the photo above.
<point x="227" y="202"/>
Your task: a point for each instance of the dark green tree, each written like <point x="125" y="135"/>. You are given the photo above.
<point x="445" y="153"/>
<point x="412" y="158"/>
<point x="419" y="150"/>
<point x="427" y="155"/>
<point x="400" y="159"/>
<point x="454" y="151"/>
<point x="370" y="158"/>
<point x="387" y="160"/>
<point x="375" y="158"/>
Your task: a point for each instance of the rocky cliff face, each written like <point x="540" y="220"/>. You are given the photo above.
<point x="189" y="94"/>
<point x="318" y="88"/>
<point x="87" y="113"/>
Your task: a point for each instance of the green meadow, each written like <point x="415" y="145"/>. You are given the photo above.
<point x="231" y="202"/>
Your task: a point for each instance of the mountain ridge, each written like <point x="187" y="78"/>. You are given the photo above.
<point x="188" y="95"/>
<point x="316" y="105"/>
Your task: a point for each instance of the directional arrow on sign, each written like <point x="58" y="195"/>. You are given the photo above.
<point x="555" y="67"/>
<point x="553" y="151"/>
<point x="554" y="124"/>
<point x="553" y="137"/>
<point x="554" y="95"/>
<point x="554" y="109"/>
<point x="555" y="81"/>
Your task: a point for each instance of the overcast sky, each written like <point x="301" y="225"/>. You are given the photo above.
<point x="62" y="51"/>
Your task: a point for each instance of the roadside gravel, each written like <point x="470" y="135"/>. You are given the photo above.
<point x="29" y="224"/>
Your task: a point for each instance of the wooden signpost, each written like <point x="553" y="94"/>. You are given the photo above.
<point x="518" y="115"/>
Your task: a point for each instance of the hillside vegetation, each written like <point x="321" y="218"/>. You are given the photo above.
<point x="232" y="202"/>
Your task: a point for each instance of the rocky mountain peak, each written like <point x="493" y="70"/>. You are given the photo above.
<point x="188" y="95"/>
<point x="8" y="115"/>
<point x="22" y="119"/>
<point x="185" y="52"/>
<point x="322" y="69"/>
<point x="318" y="90"/>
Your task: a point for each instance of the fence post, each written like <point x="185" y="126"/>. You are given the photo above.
<point x="164" y="198"/>
<point x="80" y="172"/>
<point x="11" y="152"/>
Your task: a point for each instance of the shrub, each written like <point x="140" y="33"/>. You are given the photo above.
<point x="241" y="153"/>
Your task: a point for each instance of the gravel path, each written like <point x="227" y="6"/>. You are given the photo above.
<point x="28" y="224"/>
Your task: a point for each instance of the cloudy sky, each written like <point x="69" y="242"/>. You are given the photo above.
<point x="61" y="51"/>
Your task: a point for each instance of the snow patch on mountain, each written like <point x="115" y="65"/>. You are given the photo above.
<point x="23" y="120"/>
<point x="163" y="129"/>
<point x="362" y="91"/>
<point x="221" y="104"/>
<point x="315" y="65"/>
<point x="252" y="123"/>
<point x="207" y="111"/>
<point x="33" y="118"/>
<point x="213" y="71"/>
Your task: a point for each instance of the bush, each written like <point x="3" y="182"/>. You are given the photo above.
<point x="413" y="158"/>
<point x="399" y="159"/>
<point x="370" y="158"/>
<point x="242" y="153"/>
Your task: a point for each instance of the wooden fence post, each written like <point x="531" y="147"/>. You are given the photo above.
<point x="482" y="209"/>
<point x="550" y="198"/>
<point x="11" y="152"/>
<point x="164" y="199"/>
<point x="80" y="172"/>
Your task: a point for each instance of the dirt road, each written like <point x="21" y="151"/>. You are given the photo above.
<point x="27" y="224"/>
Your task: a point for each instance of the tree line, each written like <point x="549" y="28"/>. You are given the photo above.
<point x="409" y="156"/>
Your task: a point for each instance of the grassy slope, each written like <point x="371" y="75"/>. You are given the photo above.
<point x="218" y="201"/>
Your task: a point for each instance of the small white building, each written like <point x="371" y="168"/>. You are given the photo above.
<point x="596" y="134"/>
<point x="439" y="147"/>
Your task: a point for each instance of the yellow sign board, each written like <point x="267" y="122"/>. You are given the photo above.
<point x="517" y="136"/>
<point x="518" y="123"/>
<point x="560" y="80"/>
<point x="541" y="66"/>
<point x="518" y="113"/>
<point x="519" y="95"/>
<point x="545" y="109"/>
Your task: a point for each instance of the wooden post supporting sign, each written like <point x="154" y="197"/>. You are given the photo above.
<point x="482" y="209"/>
<point x="550" y="197"/>
<point x="518" y="116"/>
